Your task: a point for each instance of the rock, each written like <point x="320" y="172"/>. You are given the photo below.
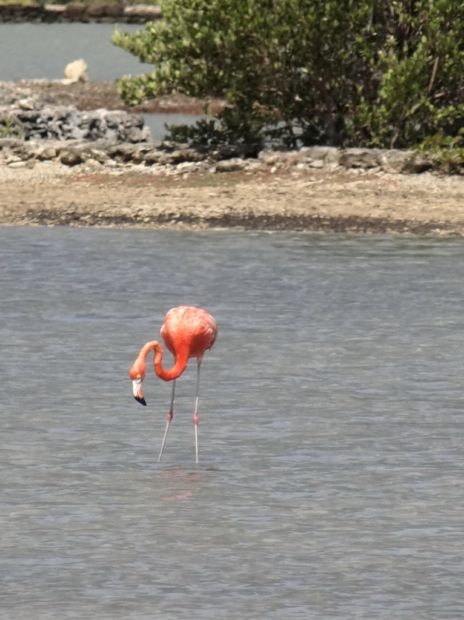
<point x="76" y="71"/>
<point x="148" y="12"/>
<point x="418" y="163"/>
<point x="97" y="156"/>
<point x="18" y="150"/>
<point x="360" y="158"/>
<point x="153" y="157"/>
<point x="28" y="103"/>
<point x="17" y="164"/>
<point x="394" y="160"/>
<point x="134" y="153"/>
<point x="313" y="156"/>
<point x="180" y="155"/>
<point x="45" y="153"/>
<point x="140" y="152"/>
<point x="7" y="143"/>
<point x="71" y="157"/>
<point x="269" y="158"/>
<point x="138" y="134"/>
<point x="76" y="11"/>
<point x="114" y="10"/>
<point x="186" y="167"/>
<point x="68" y="123"/>
<point x="121" y="152"/>
<point x="324" y="154"/>
<point x="230" y="165"/>
<point x="96" y="9"/>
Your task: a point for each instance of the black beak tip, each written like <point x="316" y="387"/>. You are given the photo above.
<point x="142" y="401"/>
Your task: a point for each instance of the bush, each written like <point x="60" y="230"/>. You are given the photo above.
<point x="339" y="72"/>
<point x="420" y="89"/>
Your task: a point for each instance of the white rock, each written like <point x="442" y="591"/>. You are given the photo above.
<point x="76" y="71"/>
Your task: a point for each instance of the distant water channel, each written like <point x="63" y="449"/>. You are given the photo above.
<point x="41" y="51"/>
<point x="330" y="483"/>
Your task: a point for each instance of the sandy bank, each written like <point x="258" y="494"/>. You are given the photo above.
<point x="312" y="200"/>
<point x="264" y="194"/>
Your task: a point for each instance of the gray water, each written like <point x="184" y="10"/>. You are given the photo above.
<point x="330" y="483"/>
<point x="41" y="51"/>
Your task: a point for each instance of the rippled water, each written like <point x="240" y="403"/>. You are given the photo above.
<point x="331" y="436"/>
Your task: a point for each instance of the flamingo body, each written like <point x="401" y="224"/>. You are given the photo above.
<point x="190" y="328"/>
<point x="187" y="332"/>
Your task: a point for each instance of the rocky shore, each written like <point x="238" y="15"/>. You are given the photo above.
<point x="99" y="167"/>
<point x="52" y="188"/>
<point x="96" y="11"/>
<point x="173" y="158"/>
<point x="35" y="125"/>
<point x="66" y="123"/>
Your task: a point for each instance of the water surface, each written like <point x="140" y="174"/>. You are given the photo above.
<point x="331" y="434"/>
<point x="42" y="51"/>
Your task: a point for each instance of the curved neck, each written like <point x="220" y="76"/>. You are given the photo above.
<point x="180" y="362"/>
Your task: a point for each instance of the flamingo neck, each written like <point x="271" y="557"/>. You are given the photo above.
<point x="167" y="374"/>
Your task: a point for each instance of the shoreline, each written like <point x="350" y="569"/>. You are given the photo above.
<point x="98" y="94"/>
<point x="95" y="11"/>
<point x="101" y="183"/>
<point x="338" y="201"/>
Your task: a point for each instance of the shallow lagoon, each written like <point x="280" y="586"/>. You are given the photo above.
<point x="331" y="436"/>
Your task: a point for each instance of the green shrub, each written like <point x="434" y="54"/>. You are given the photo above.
<point x="420" y="90"/>
<point x="341" y="72"/>
<point x="10" y="127"/>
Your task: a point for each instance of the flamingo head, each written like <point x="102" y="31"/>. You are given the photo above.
<point x="137" y="375"/>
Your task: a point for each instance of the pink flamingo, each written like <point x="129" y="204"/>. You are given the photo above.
<point x="187" y="332"/>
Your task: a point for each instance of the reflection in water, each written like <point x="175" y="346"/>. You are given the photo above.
<point x="329" y="483"/>
<point x="182" y="478"/>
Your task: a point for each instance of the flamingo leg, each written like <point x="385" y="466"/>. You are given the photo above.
<point x="196" y="415"/>
<point x="168" y="420"/>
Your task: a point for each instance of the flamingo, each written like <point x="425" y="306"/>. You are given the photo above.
<point x="187" y="332"/>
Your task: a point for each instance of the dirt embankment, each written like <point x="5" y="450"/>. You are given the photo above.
<point x="340" y="201"/>
<point x="93" y="95"/>
<point x="263" y="197"/>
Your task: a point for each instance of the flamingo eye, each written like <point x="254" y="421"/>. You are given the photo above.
<point x="135" y="376"/>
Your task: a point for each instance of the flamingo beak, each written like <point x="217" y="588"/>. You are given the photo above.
<point x="137" y="391"/>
